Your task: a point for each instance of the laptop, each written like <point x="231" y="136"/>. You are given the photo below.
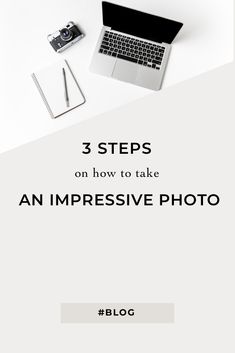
<point x="134" y="46"/>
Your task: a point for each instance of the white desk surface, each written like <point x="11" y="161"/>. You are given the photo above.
<point x="205" y="42"/>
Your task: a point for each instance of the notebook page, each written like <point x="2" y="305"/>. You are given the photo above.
<point x="51" y="82"/>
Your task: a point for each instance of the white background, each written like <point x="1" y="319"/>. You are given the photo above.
<point x="204" y="43"/>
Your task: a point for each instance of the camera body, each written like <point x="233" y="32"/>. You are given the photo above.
<point x="65" y="37"/>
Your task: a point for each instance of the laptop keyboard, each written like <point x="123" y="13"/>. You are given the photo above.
<point x="131" y="49"/>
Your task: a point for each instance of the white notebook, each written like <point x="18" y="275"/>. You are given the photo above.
<point x="51" y="83"/>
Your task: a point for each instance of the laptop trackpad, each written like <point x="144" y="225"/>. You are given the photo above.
<point x="125" y="71"/>
<point x="148" y="78"/>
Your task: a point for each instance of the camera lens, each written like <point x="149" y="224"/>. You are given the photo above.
<point x="66" y="34"/>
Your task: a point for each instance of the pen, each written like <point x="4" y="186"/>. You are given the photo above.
<point x="66" y="88"/>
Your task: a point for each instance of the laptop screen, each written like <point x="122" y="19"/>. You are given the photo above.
<point x="139" y="24"/>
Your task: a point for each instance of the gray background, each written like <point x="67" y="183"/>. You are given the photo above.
<point x="180" y="255"/>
